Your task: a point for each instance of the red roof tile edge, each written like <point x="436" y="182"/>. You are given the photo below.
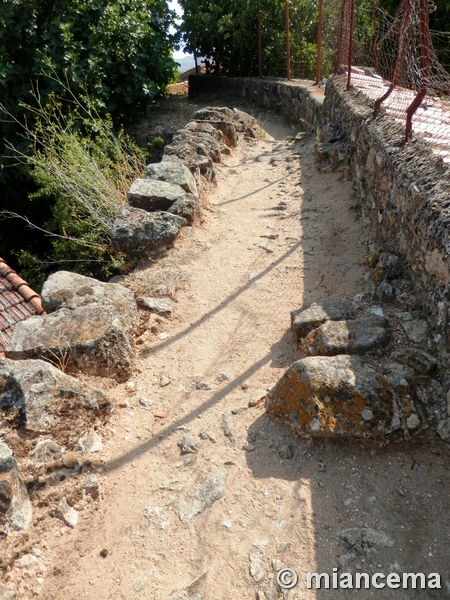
<point x="22" y="287"/>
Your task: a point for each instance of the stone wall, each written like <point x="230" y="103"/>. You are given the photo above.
<point x="404" y="193"/>
<point x="403" y="190"/>
<point x="299" y="101"/>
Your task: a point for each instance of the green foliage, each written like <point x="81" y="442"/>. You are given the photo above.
<point x="83" y="169"/>
<point x="120" y="50"/>
<point x="226" y="34"/>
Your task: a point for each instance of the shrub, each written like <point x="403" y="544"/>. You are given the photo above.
<point x="83" y="168"/>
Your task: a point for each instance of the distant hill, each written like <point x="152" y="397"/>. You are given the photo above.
<point x="185" y="63"/>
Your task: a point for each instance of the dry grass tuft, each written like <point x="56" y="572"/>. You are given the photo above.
<point x="157" y="282"/>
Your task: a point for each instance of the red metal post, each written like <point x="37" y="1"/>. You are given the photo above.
<point x="350" y="42"/>
<point x="401" y="52"/>
<point x="288" y="45"/>
<point x="260" y="44"/>
<point x="319" y="42"/>
<point x="425" y="74"/>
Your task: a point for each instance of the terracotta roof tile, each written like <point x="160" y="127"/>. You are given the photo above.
<point x="17" y="302"/>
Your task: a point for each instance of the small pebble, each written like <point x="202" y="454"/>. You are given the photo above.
<point x="164" y="381"/>
<point x="203" y="385"/>
<point x="144" y="401"/>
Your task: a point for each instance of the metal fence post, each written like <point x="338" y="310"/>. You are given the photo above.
<point x="425" y="74"/>
<point x="401" y="52"/>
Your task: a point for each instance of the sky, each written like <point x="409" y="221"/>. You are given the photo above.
<point x="173" y="4"/>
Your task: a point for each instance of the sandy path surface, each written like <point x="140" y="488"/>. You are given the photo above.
<point x="282" y="501"/>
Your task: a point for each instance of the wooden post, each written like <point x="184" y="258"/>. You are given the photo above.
<point x="196" y="64"/>
<point x="260" y="44"/>
<point x="350" y="42"/>
<point x="319" y="42"/>
<point x="288" y="45"/>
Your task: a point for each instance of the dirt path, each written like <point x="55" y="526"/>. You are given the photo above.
<point x="250" y="262"/>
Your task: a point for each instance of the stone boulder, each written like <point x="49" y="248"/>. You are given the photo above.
<point x="186" y="207"/>
<point x="214" y="113"/>
<point x="229" y="134"/>
<point x="137" y="232"/>
<point x="71" y="290"/>
<point x="89" y="339"/>
<point x="47" y="401"/>
<point x="198" y="151"/>
<point x="15" y="505"/>
<point x="348" y="337"/>
<point x="175" y="173"/>
<point x="204" y="143"/>
<point x="245" y="123"/>
<point x="152" y="195"/>
<point x="309" y="317"/>
<point x="204" y="127"/>
<point x="187" y="154"/>
<point x="342" y="396"/>
<point x="242" y="121"/>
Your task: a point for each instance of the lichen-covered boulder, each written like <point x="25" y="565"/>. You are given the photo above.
<point x="175" y="173"/>
<point x="348" y="337"/>
<point x="342" y="396"/>
<point x="137" y="232"/>
<point x="311" y="316"/>
<point x="152" y="195"/>
<point x="89" y="339"/>
<point x="15" y="505"/>
<point x="44" y="400"/>
<point x="71" y="290"/>
<point x="203" y="143"/>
